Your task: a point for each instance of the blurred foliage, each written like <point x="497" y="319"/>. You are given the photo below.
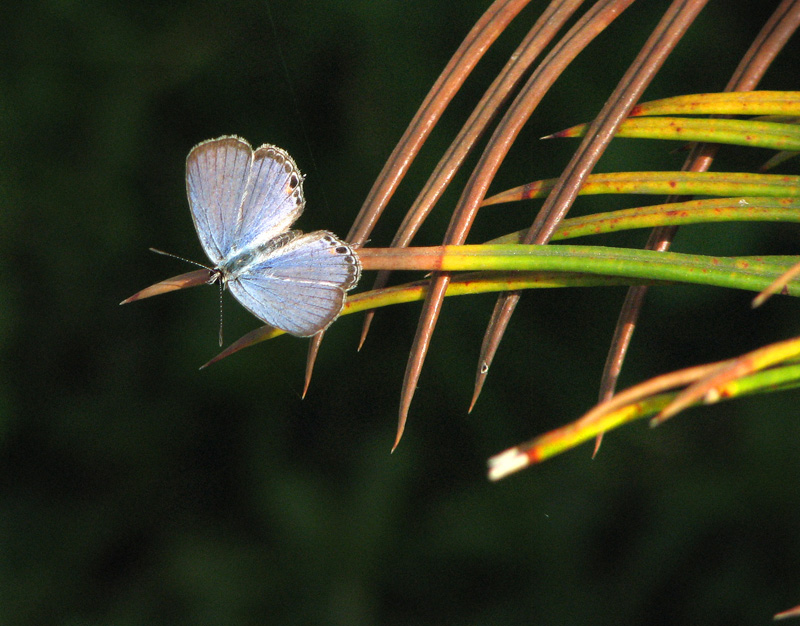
<point x="137" y="490"/>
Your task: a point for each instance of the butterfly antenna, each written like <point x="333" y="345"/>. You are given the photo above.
<point x="205" y="267"/>
<point x="180" y="258"/>
<point x="220" y="314"/>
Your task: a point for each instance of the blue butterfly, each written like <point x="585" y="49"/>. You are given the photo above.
<point x="243" y="202"/>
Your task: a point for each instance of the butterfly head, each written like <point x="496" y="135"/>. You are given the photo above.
<point x="217" y="275"/>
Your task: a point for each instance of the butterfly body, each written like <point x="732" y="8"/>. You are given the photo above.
<point x="243" y="202"/>
<point x="242" y="261"/>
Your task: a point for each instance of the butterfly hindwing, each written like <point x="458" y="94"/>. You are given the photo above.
<point x="274" y="197"/>
<point x="299" y="287"/>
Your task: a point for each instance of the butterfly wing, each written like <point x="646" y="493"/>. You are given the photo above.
<point x="274" y="197"/>
<point x="300" y="286"/>
<point x="238" y="197"/>
<point x="217" y="176"/>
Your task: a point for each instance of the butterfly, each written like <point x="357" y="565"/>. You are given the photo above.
<point x="243" y="202"/>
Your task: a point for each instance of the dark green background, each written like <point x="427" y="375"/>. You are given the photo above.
<point x="135" y="489"/>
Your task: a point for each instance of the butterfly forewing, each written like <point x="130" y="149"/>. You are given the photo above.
<point x="299" y="287"/>
<point x="274" y="197"/>
<point x="217" y="174"/>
